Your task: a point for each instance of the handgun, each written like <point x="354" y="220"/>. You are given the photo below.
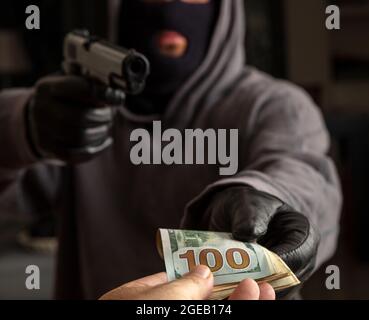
<point x="115" y="68"/>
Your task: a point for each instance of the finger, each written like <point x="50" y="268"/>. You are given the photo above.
<point x="196" y="285"/>
<point x="266" y="292"/>
<point x="80" y="155"/>
<point x="134" y="289"/>
<point x="151" y="281"/>
<point x="249" y="230"/>
<point x="295" y="240"/>
<point x="253" y="211"/>
<point x="243" y="210"/>
<point x="248" y="289"/>
<point x="287" y="232"/>
<point x="99" y="116"/>
<point x="97" y="148"/>
<point x="111" y="96"/>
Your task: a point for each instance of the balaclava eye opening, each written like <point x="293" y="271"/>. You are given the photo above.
<point x="174" y="35"/>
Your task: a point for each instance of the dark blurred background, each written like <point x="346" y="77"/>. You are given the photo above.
<point x="286" y="38"/>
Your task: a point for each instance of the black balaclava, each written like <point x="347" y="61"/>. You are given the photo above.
<point x="142" y="23"/>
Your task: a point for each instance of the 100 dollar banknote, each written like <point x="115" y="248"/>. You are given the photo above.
<point x="230" y="261"/>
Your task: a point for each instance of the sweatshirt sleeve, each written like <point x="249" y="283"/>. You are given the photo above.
<point x="16" y="158"/>
<point x="286" y="156"/>
<point x="16" y="152"/>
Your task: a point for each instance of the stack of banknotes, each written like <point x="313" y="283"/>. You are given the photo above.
<point x="230" y="261"/>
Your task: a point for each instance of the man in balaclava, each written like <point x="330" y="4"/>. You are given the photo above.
<point x="285" y="194"/>
<point x="174" y="36"/>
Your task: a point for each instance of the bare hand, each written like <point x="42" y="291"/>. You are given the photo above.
<point x="196" y="285"/>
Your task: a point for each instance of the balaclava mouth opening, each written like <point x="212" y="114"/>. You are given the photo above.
<point x="174" y="35"/>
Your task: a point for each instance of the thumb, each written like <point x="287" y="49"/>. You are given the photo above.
<point x="196" y="285"/>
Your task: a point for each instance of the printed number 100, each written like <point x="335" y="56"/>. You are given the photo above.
<point x="189" y="255"/>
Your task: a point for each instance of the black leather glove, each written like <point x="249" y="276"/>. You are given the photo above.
<point x="253" y="215"/>
<point x="65" y="120"/>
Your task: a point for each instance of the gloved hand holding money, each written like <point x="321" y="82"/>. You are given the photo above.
<point x="230" y="261"/>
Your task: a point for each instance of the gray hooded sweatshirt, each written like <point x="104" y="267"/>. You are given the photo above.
<point x="109" y="209"/>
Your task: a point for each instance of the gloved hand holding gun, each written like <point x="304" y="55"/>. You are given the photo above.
<point x="69" y="117"/>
